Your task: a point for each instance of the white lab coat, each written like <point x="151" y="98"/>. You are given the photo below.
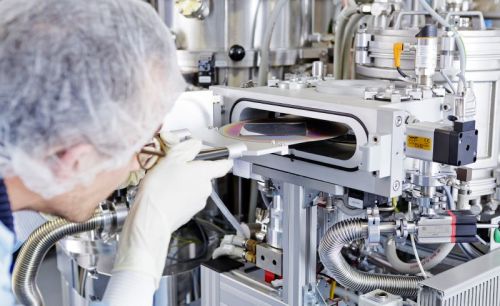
<point x="6" y="249"/>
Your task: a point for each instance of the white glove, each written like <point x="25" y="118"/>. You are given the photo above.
<point x="133" y="179"/>
<point x="169" y="196"/>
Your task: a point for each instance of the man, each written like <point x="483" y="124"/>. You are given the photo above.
<point x="83" y="86"/>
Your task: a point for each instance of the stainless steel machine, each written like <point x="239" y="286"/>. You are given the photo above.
<point x="378" y="184"/>
<point x="219" y="41"/>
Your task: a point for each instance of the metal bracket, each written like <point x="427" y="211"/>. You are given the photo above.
<point x="312" y="296"/>
<point x="401" y="228"/>
<point x="373" y="225"/>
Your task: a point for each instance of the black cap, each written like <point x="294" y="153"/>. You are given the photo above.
<point x="429" y="30"/>
<point x="236" y="53"/>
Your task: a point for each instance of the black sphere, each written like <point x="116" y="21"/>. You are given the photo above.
<point x="236" y="53"/>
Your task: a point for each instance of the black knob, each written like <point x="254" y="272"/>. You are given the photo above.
<point x="236" y="53"/>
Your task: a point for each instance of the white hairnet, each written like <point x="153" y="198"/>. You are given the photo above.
<point x="98" y="72"/>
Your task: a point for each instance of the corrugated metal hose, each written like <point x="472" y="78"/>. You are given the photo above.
<point x="36" y="247"/>
<point x="330" y="249"/>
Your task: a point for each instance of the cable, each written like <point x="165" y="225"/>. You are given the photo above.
<point x="402" y="73"/>
<point x="447" y="79"/>
<point x="414" y="246"/>
<point x="429" y="262"/>
<point x="483" y="242"/>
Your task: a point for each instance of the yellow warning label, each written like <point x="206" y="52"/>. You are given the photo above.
<point x="417" y="142"/>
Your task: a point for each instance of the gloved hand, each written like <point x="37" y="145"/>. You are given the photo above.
<point x="169" y="196"/>
<point x="133" y="179"/>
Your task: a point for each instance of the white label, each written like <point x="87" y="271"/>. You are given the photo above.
<point x="357" y="203"/>
<point x="426" y="56"/>
<point x="204" y="79"/>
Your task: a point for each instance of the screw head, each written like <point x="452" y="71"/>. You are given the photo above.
<point x="399" y="121"/>
<point x="396" y="185"/>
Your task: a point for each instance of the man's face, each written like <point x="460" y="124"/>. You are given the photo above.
<point x="79" y="204"/>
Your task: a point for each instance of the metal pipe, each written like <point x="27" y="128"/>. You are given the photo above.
<point x="39" y="243"/>
<point x="486" y="225"/>
<point x="213" y="154"/>
<point x="348" y="231"/>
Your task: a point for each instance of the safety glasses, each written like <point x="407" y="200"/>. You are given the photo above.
<point x="151" y="153"/>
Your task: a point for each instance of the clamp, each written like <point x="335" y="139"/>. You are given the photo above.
<point x="373" y="225"/>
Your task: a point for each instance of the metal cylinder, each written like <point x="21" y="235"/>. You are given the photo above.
<point x="275" y="228"/>
<point x="243" y="23"/>
<point x="213" y="154"/>
<point x="318" y="70"/>
<point x="428" y="169"/>
<point x="426" y="60"/>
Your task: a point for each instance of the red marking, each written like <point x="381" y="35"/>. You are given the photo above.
<point x="269" y="276"/>
<point x="453" y="226"/>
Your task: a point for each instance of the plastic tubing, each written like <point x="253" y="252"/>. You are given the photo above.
<point x="428" y="262"/>
<point x="342" y="21"/>
<point x="349" y="33"/>
<point x="229" y="216"/>
<point x="265" y="45"/>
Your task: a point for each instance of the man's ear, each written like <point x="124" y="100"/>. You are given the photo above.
<point x="73" y="160"/>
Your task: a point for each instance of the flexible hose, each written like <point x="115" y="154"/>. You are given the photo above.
<point x="265" y="45"/>
<point x="330" y="248"/>
<point x="228" y="250"/>
<point x="428" y="263"/>
<point x="349" y="34"/>
<point x="342" y="20"/>
<point x="34" y="250"/>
